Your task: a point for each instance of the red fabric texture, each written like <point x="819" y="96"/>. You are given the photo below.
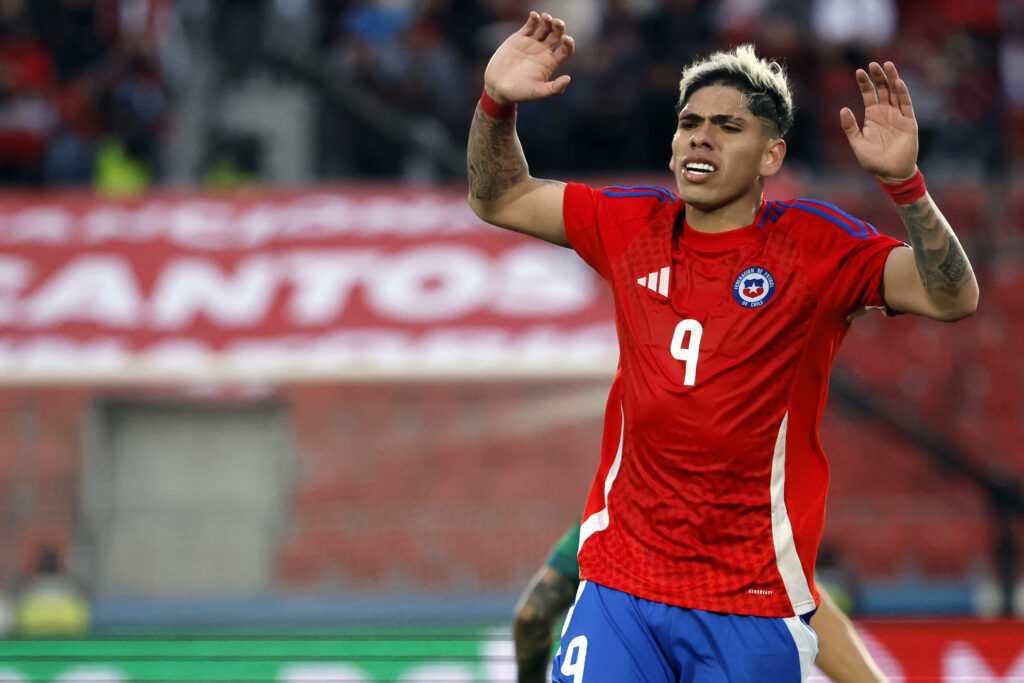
<point x="689" y="511"/>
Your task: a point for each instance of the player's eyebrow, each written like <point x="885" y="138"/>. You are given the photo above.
<point x="716" y="119"/>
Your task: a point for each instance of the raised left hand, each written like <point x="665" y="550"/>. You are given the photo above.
<point x="887" y="143"/>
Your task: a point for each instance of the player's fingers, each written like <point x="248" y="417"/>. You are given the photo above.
<point x="543" y="28"/>
<point x="849" y="123"/>
<point x="881" y="82"/>
<point x="565" y="49"/>
<point x="531" y="24"/>
<point x="900" y="91"/>
<point x="867" y="88"/>
<point x="903" y="98"/>
<point x="559" y="85"/>
<point x="557" y="31"/>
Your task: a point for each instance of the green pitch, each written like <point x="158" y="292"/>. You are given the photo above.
<point x="353" y="655"/>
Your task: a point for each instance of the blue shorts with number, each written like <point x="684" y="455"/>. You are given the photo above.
<point x="613" y="636"/>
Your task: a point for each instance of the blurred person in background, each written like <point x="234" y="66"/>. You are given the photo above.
<point x="842" y="655"/>
<point x="82" y="96"/>
<point x="27" y="82"/>
<point x="700" y="533"/>
<point x="50" y="604"/>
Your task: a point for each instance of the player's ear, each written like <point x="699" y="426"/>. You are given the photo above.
<point x="771" y="160"/>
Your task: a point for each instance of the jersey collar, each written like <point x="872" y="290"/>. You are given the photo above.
<point x="722" y="241"/>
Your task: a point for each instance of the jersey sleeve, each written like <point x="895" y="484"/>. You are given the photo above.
<point x="849" y="257"/>
<point x="600" y="224"/>
<point x="563" y="556"/>
<point x="580" y="210"/>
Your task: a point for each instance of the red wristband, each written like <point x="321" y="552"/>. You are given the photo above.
<point x="495" y="110"/>
<point x="906" y="192"/>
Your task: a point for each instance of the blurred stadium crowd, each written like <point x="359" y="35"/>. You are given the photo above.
<point x="618" y="112"/>
<point x="104" y="91"/>
<point x="81" y="90"/>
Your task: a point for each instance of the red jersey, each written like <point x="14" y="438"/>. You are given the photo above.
<point x="711" y="489"/>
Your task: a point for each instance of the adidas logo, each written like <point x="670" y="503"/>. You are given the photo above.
<point x="656" y="281"/>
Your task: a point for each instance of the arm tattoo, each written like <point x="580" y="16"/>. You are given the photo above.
<point x="494" y="157"/>
<point x="550" y="596"/>
<point x="941" y="261"/>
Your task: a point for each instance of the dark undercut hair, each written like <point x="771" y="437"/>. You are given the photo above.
<point x="763" y="84"/>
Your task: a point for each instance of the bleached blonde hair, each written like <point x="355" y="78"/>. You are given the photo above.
<point x="763" y="82"/>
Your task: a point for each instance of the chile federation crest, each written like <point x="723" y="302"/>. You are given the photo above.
<point x="754" y="287"/>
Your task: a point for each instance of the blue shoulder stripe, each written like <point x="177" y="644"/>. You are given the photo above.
<point x="854" y="226"/>
<point x="864" y="225"/>
<point x="639" y="191"/>
<point x="775" y="210"/>
<point x="764" y="216"/>
<point x="669" y="195"/>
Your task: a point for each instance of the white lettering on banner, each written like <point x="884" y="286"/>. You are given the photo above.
<point x="543" y="281"/>
<point x="206" y="224"/>
<point x="319" y="216"/>
<point x="324" y="281"/>
<point x="106" y="223"/>
<point x="470" y="347"/>
<point x="99" y="289"/>
<point x="15" y="274"/>
<point x="36" y="224"/>
<point x="178" y="357"/>
<point x="425" y="284"/>
<point x="961" y="662"/>
<point x="435" y="283"/>
<point x="222" y="224"/>
<point x="61" y="355"/>
<point x="189" y="287"/>
<point x="201" y="224"/>
<point x="342" y="353"/>
<point x="258" y="224"/>
<point x="432" y="283"/>
<point x="313" y="217"/>
<point x="383" y="349"/>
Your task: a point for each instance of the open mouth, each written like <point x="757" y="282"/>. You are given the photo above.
<point x="700" y="168"/>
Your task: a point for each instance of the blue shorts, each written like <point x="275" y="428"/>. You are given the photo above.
<point x="613" y="636"/>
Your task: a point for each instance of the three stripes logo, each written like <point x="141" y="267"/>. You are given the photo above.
<point x="656" y="281"/>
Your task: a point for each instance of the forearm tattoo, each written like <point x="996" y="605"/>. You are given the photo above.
<point x="552" y="595"/>
<point x="494" y="157"/>
<point x="941" y="261"/>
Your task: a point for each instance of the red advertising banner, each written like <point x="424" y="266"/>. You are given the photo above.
<point x="360" y="281"/>
<point x="947" y="650"/>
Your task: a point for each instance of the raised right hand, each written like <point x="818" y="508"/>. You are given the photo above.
<point x="521" y="67"/>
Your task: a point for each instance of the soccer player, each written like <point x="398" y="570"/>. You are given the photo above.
<point x="700" y="532"/>
<point x="842" y="655"/>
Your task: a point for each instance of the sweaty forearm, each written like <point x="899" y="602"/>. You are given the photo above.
<point x="941" y="262"/>
<point x="533" y="638"/>
<point x="494" y="159"/>
<point x="548" y="596"/>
